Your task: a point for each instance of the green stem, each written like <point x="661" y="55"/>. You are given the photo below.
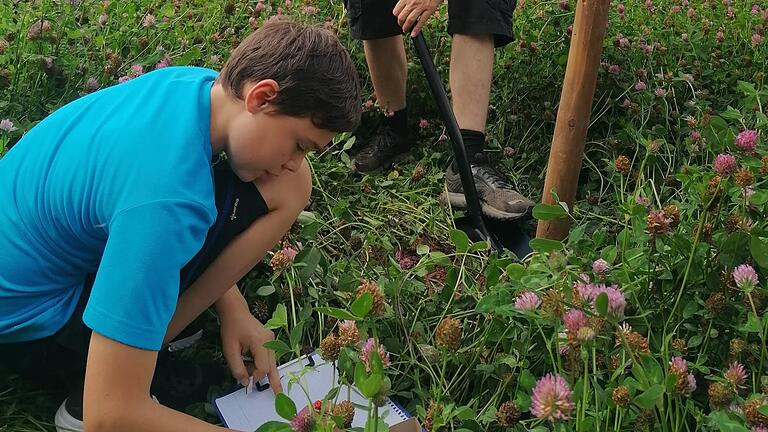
<point x="585" y="390"/>
<point x="375" y="418"/>
<point x="594" y="377"/>
<point x="547" y="344"/>
<point x="685" y="281"/>
<point x="442" y="377"/>
<point x="762" y="351"/>
<point x="706" y="341"/>
<point x="482" y="342"/>
<point x="688" y="269"/>
<point x="762" y="331"/>
<point x="458" y="379"/>
<point x="370" y="414"/>
<point x="450" y="299"/>
<point x="293" y="300"/>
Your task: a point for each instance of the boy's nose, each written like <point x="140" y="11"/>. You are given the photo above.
<point x="294" y="163"/>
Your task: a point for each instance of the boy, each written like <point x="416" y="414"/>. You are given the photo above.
<point x="119" y="184"/>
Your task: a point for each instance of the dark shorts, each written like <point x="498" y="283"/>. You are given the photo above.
<point x="373" y="19"/>
<point x="238" y="203"/>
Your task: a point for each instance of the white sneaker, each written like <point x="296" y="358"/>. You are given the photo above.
<point x="65" y="422"/>
<point x="186" y="342"/>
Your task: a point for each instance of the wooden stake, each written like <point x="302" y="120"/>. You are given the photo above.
<point x="567" y="151"/>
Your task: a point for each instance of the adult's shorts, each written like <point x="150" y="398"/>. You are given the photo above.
<point x="373" y="19"/>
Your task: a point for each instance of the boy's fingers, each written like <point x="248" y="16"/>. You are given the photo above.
<point x="274" y="380"/>
<point x="275" y="373"/>
<point x="260" y="361"/>
<point x="258" y="374"/>
<point x="236" y="365"/>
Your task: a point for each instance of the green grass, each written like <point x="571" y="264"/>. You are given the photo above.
<point x="360" y="222"/>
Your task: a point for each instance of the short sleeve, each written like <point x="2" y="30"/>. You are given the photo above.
<point x="137" y="283"/>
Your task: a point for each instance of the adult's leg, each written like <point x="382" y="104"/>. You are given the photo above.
<point x="476" y="28"/>
<point x="387" y="65"/>
<point x="472" y="57"/>
<point x="372" y="22"/>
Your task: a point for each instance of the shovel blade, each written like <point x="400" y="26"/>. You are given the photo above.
<point x="508" y="235"/>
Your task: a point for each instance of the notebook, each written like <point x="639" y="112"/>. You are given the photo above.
<point x="246" y="412"/>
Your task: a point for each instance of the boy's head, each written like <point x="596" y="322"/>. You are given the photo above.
<point x="296" y="87"/>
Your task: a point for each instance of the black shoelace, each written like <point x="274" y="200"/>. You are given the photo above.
<point x="488" y="172"/>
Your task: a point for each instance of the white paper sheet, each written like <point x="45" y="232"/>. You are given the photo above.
<point x="246" y="413"/>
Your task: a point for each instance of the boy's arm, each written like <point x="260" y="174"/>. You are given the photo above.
<point x="116" y="398"/>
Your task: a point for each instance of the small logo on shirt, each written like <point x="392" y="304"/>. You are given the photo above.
<point x="234" y="210"/>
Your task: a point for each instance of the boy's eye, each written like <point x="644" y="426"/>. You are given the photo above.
<point x="300" y="148"/>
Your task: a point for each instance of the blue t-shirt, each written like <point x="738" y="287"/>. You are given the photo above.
<point x="120" y="181"/>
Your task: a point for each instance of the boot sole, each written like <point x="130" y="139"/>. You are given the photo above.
<point x="458" y="200"/>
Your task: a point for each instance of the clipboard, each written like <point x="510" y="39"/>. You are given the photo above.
<point x="246" y="412"/>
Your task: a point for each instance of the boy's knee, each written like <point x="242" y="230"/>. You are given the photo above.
<point x="290" y="190"/>
<point x="303" y="184"/>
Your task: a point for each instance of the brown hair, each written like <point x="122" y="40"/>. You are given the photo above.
<point x="317" y="78"/>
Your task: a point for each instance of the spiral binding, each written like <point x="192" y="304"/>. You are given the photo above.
<point x="399" y="410"/>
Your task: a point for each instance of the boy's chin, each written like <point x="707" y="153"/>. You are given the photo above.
<point x="249" y="177"/>
<point x="258" y="175"/>
<point x="265" y="174"/>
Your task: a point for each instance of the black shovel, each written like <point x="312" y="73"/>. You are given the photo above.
<point x="499" y="234"/>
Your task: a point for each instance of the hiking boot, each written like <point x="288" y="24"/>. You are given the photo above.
<point x="382" y="150"/>
<point x="497" y="198"/>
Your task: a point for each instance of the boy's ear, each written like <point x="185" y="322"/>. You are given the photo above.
<point x="259" y="94"/>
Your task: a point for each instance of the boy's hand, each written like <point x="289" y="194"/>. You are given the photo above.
<point x="241" y="333"/>
<point x="413" y="14"/>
